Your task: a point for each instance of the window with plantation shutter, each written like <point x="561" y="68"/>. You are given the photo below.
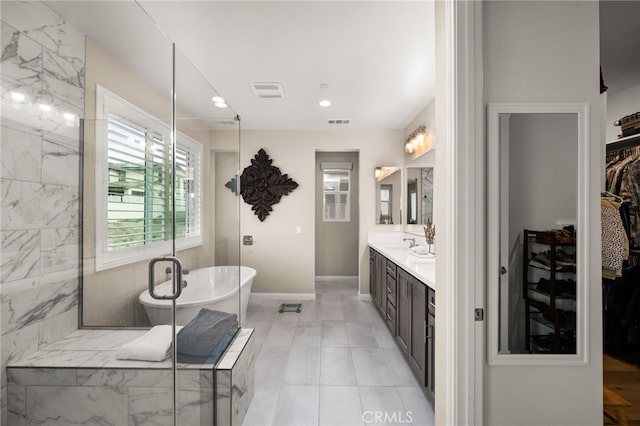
<point x="335" y="195"/>
<point x="134" y="191"/>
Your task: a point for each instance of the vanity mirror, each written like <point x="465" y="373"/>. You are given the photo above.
<point x="419" y="195"/>
<point x="537" y="244"/>
<point x="388" y="192"/>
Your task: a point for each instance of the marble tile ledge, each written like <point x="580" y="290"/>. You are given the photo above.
<point x="98" y="348"/>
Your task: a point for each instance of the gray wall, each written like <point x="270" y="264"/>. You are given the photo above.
<point x="543" y="171"/>
<point x="337" y="242"/>
<point x="40" y="180"/>
<point x="548" y="52"/>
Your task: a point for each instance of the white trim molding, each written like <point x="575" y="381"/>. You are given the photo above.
<point x="465" y="215"/>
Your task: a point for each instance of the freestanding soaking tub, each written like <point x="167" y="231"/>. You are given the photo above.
<point x="213" y="288"/>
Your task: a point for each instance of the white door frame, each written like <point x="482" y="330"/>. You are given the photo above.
<point x="466" y="215"/>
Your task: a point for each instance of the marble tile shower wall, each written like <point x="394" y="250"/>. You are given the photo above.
<point x="42" y="63"/>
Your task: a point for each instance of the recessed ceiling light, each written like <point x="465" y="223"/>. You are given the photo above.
<point x="221" y="104"/>
<point x="218" y="99"/>
<point x="325" y="103"/>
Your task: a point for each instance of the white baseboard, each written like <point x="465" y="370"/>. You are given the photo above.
<point x="364" y="296"/>
<point x="325" y="278"/>
<point x="283" y="296"/>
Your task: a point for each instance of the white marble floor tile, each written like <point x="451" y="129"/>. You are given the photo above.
<point x="371" y="367"/>
<point x="401" y="372"/>
<point x="383" y="406"/>
<point x="270" y="365"/>
<point x="297" y="406"/>
<point x="334" y="333"/>
<point x="263" y="407"/>
<point x="417" y="403"/>
<point x="307" y="334"/>
<point x="303" y="367"/>
<point x="336" y="367"/>
<point x="340" y="406"/>
<point x="360" y="334"/>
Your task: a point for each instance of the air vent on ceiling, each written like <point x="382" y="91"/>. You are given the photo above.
<point x="339" y="121"/>
<point x="268" y="90"/>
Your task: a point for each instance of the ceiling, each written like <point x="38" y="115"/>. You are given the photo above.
<point x="377" y="58"/>
<point x="620" y="44"/>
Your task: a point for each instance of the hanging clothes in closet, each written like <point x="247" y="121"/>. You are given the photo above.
<point x="620" y="213"/>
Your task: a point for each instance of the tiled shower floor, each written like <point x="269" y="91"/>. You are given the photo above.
<point x="336" y="363"/>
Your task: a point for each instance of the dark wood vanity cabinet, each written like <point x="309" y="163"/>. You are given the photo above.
<point x="418" y="352"/>
<point x="377" y="264"/>
<point x="431" y="329"/>
<point x="403" y="311"/>
<point x="408" y="308"/>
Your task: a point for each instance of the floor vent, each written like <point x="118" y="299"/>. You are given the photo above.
<point x="339" y="121"/>
<point x="268" y="90"/>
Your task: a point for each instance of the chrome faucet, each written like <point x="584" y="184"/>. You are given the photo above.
<point x="412" y="242"/>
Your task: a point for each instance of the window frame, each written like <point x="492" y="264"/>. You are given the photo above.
<point x="336" y="193"/>
<point x="110" y="103"/>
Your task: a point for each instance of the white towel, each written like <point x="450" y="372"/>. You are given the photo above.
<point x="154" y="345"/>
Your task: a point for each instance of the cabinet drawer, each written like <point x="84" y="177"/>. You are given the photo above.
<point x="391" y="289"/>
<point x="390" y="317"/>
<point x="391" y="268"/>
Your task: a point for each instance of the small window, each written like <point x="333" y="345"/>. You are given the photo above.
<point x="336" y="188"/>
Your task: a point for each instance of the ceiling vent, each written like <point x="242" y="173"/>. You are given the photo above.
<point x="268" y="90"/>
<point x="339" y="121"/>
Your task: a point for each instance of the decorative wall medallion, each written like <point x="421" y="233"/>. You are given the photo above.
<point x="262" y="185"/>
<point x="232" y="185"/>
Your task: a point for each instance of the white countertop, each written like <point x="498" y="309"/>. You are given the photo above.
<point x="393" y="248"/>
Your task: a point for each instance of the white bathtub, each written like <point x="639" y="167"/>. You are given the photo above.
<point x="213" y="288"/>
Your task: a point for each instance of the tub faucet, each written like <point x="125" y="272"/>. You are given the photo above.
<point x="185" y="271"/>
<point x="412" y="242"/>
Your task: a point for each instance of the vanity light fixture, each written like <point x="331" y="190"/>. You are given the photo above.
<point x="325" y="103"/>
<point x="416" y="141"/>
<point x="377" y="172"/>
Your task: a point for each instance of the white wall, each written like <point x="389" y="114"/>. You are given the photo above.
<point x="285" y="261"/>
<point x="619" y="104"/>
<point x="548" y="52"/>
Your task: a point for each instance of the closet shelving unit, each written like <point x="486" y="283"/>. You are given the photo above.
<point x="550" y="293"/>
